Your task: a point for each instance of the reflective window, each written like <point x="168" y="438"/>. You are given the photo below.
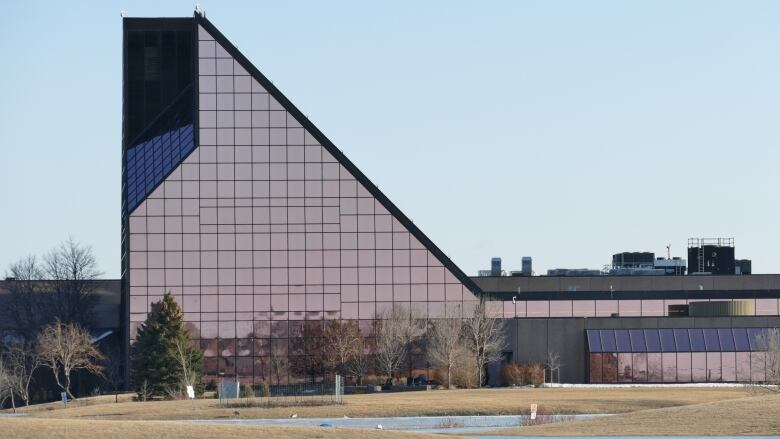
<point x="669" y="361"/>
<point x="714" y="367"/>
<point x="711" y="341"/>
<point x="623" y="340"/>
<point x="741" y="341"/>
<point x="653" y="340"/>
<point x="595" y="375"/>
<point x="684" y="368"/>
<point x="726" y="340"/>
<point x="729" y="367"/>
<point x="699" y="367"/>
<point x="637" y="337"/>
<point x="609" y="344"/>
<point x="594" y="341"/>
<point x="667" y="340"/>
<point x="697" y="340"/>
<point x="609" y="368"/>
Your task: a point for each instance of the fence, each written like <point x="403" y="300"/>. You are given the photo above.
<point x="320" y="393"/>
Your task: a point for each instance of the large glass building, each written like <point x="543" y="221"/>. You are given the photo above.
<point x="264" y="231"/>
<point x="259" y="226"/>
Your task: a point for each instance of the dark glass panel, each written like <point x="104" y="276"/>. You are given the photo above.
<point x="608" y="343"/>
<point x="609" y="367"/>
<point x="638" y="344"/>
<point x="594" y="341"/>
<point x="623" y="340"/>
<point x="158" y="68"/>
<point x="697" y="340"/>
<point x="595" y="368"/>
<point x="741" y="342"/>
<point x="711" y="341"/>
<point x="653" y="340"/>
<point x="682" y="340"/>
<point x="726" y="340"/>
<point x="667" y="340"/>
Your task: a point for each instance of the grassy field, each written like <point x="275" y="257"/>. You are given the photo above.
<point x="756" y="415"/>
<point x="441" y="402"/>
<point x="23" y="428"/>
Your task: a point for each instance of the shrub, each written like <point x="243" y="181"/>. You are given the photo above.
<point x="246" y="391"/>
<point x="512" y="374"/>
<point x="464" y="374"/>
<point x="521" y="374"/>
<point x="535" y="374"/>
<point x="265" y="391"/>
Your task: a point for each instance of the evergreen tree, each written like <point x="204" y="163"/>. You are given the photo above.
<point x="164" y="362"/>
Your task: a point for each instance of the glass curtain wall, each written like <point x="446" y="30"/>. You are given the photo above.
<point x="676" y="355"/>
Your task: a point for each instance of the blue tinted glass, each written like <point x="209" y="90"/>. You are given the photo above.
<point x="726" y="339"/>
<point x="594" y="341"/>
<point x="667" y="340"/>
<point x="153" y="159"/>
<point x="637" y="340"/>
<point x="653" y="341"/>
<point x="755" y="335"/>
<point x="683" y="342"/>
<point x="711" y="340"/>
<point x="608" y="343"/>
<point x="697" y="340"/>
<point x="741" y="342"/>
<point x="623" y="340"/>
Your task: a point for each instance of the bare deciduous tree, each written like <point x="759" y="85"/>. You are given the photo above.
<point x="26" y="300"/>
<point x="67" y="347"/>
<point x="58" y="287"/>
<point x="553" y="364"/>
<point x="769" y="342"/>
<point x="361" y="360"/>
<point x="279" y="362"/>
<point x="485" y="338"/>
<point x="23" y="360"/>
<point x="186" y="362"/>
<point x="396" y="330"/>
<point x="341" y="342"/>
<point x="113" y="370"/>
<point x="7" y="380"/>
<point x="445" y="343"/>
<point x="72" y="268"/>
<point x="390" y="349"/>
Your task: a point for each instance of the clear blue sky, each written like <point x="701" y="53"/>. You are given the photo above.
<point x="562" y="130"/>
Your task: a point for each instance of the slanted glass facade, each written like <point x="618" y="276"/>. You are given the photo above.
<point x="675" y="355"/>
<point x="263" y="231"/>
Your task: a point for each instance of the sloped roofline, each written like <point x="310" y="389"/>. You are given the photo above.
<point x="333" y="150"/>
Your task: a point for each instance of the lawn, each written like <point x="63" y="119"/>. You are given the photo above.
<point x="439" y="402"/>
<point x="755" y="415"/>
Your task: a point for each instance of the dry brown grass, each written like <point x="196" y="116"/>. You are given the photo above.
<point x="23" y="428"/>
<point x="755" y="415"/>
<point x="440" y="402"/>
